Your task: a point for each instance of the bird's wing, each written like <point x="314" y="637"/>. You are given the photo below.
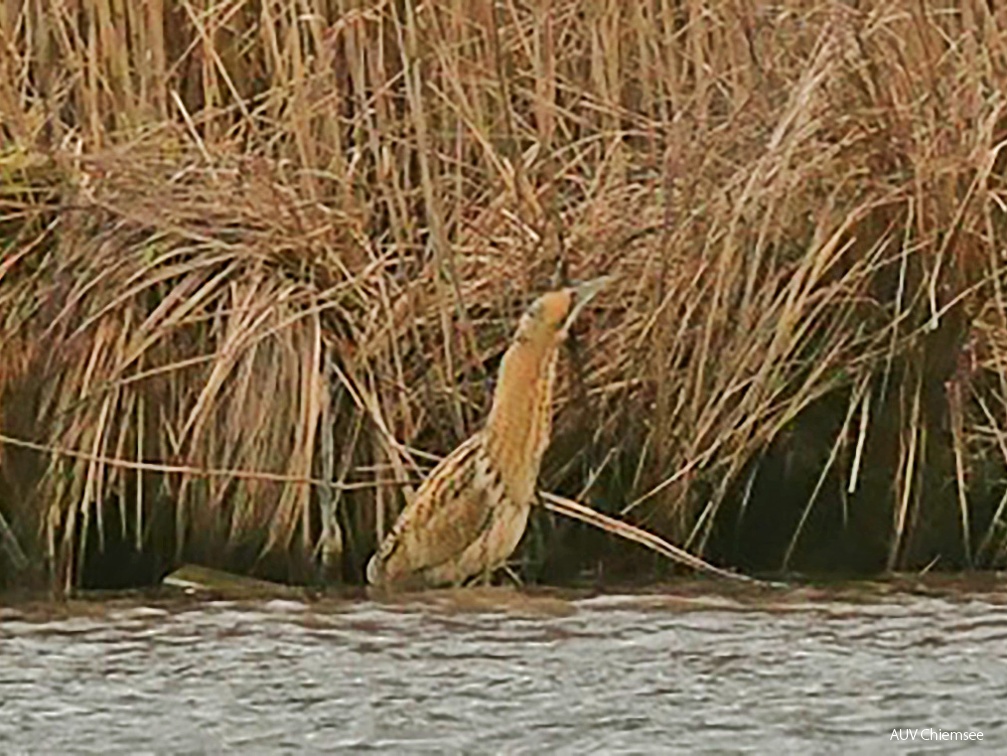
<point x="451" y="509"/>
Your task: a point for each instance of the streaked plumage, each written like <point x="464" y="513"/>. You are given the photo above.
<point x="470" y="513"/>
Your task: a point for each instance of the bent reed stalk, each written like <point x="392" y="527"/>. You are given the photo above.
<point x="292" y="240"/>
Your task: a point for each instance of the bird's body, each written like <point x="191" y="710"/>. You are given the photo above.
<point x="470" y="513"/>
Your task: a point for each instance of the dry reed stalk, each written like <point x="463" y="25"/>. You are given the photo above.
<point x="570" y="508"/>
<point x="802" y="204"/>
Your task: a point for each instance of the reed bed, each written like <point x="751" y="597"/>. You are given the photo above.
<point x="260" y="260"/>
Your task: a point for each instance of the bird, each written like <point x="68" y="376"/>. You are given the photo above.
<point x="469" y="514"/>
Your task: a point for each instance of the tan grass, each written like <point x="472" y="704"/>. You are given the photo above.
<point x="291" y="240"/>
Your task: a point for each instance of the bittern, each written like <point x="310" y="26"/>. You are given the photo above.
<point x="468" y="516"/>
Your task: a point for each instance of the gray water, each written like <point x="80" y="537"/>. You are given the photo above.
<point x="681" y="669"/>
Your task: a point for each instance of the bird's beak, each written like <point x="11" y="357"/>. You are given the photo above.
<point x="584" y="293"/>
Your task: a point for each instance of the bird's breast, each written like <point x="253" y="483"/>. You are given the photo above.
<point x="519" y="426"/>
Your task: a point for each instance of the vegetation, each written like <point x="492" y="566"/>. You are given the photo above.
<point x="249" y="247"/>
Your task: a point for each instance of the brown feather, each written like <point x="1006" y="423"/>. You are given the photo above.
<point x="470" y="513"/>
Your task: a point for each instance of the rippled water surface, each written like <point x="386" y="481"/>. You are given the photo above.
<point x="802" y="671"/>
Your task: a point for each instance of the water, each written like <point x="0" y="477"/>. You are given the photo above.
<point x="684" y="669"/>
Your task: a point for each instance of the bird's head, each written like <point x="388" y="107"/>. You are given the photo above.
<point x="547" y="320"/>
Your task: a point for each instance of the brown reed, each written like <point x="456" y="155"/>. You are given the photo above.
<point x="292" y="237"/>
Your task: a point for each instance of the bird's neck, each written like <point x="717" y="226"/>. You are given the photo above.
<point x="520" y="421"/>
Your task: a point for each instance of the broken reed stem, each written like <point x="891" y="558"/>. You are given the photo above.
<point x="570" y="508"/>
<point x="190" y="470"/>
